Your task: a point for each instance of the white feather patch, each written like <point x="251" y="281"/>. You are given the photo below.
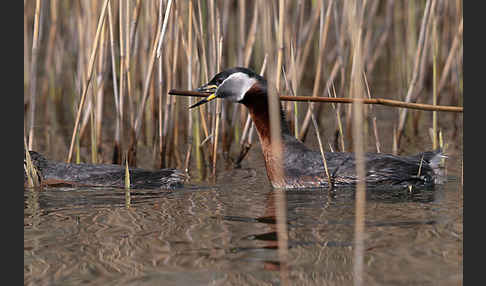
<point x="238" y="84"/>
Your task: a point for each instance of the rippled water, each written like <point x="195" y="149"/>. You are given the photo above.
<point x="225" y="234"/>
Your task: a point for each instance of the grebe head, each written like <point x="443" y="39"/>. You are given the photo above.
<point x="233" y="84"/>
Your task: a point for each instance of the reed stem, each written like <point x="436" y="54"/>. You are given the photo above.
<point x="33" y="72"/>
<point x="380" y="101"/>
<point x="89" y="76"/>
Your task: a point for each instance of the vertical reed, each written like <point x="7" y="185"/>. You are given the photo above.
<point x="33" y="72"/>
<point x="355" y="11"/>
<point x="117" y="148"/>
<point x="218" y="114"/>
<point x="337" y="108"/>
<point x="276" y="139"/>
<point x="435" y="47"/>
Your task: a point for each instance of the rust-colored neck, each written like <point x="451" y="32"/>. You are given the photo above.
<point x="258" y="107"/>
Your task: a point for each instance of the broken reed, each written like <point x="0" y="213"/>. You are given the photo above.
<point x="33" y="178"/>
<point x="120" y="104"/>
<point x="380" y="101"/>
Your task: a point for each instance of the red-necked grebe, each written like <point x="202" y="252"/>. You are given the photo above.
<point x="304" y="168"/>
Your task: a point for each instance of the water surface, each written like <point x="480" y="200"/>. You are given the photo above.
<point x="225" y="234"/>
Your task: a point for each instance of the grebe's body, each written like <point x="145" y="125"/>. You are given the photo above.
<point x="304" y="168"/>
<point x="53" y="173"/>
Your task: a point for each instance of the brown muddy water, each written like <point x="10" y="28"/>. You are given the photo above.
<point x="225" y="234"/>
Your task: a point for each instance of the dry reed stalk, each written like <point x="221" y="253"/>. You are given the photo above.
<point x="92" y="121"/>
<point x="435" y="47"/>
<point x="282" y="235"/>
<point x="295" y="89"/>
<point x="330" y="80"/>
<point x="117" y="148"/>
<point x="122" y="88"/>
<point x="420" y="166"/>
<point x="33" y="72"/>
<point x="26" y="51"/>
<point x="89" y="75"/>
<point x="322" y="47"/>
<point x="134" y="23"/>
<point x="50" y="48"/>
<point x="241" y="34"/>
<point x="203" y="121"/>
<point x="101" y="81"/>
<point x="96" y="100"/>
<point x="33" y="179"/>
<point x="126" y="60"/>
<point x="167" y="130"/>
<point x="174" y="115"/>
<point x="380" y="101"/>
<point x="354" y="17"/>
<point x="160" y="94"/>
<point x="411" y="93"/>
<point x="321" y="149"/>
<point x="85" y="28"/>
<point x="250" y="42"/>
<point x="189" y="85"/>
<point x="450" y="57"/>
<point x="213" y="40"/>
<point x="200" y="33"/>
<point x="218" y="111"/>
<point x="212" y="59"/>
<point x="128" y="198"/>
<point x="280" y="42"/>
<point x="276" y="139"/>
<point x="338" y="117"/>
<point x="165" y="109"/>
<point x="290" y="88"/>
<point x="203" y="47"/>
<point x="395" y="141"/>
<point x="198" y="118"/>
<point x="122" y="66"/>
<point x="375" y="128"/>
<point x="127" y="174"/>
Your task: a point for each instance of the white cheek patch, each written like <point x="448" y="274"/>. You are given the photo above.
<point x="237" y="85"/>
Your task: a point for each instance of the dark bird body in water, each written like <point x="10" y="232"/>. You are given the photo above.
<point x="55" y="173"/>
<point x="304" y="168"/>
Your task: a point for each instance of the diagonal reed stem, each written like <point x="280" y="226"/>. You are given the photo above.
<point x="92" y="57"/>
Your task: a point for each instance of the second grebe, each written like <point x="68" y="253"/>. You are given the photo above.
<point x="53" y="173"/>
<point x="304" y="168"/>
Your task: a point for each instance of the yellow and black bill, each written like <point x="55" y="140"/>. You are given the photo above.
<point x="209" y="88"/>
<point x="203" y="101"/>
